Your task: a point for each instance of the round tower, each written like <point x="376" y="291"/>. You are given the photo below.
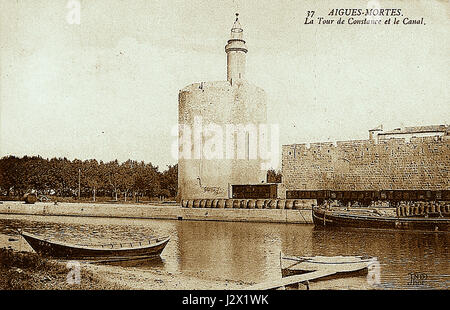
<point x="236" y="50"/>
<point x="216" y="118"/>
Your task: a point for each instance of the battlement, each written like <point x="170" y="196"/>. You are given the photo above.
<point x="368" y="143"/>
<point x="396" y="163"/>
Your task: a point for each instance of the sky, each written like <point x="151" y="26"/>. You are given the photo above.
<point x="107" y="88"/>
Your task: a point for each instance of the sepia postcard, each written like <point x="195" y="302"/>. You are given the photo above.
<point x="229" y="152"/>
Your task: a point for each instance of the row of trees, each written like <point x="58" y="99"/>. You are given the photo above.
<point x="65" y="178"/>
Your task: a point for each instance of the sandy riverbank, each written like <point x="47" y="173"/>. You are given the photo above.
<point x="28" y="271"/>
<point x="157" y="280"/>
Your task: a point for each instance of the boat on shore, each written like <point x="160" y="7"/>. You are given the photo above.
<point x="297" y="272"/>
<point x="108" y="252"/>
<point x="329" y="217"/>
<point x="336" y="265"/>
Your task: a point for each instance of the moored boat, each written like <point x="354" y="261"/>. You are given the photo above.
<point x="335" y="265"/>
<point x="324" y="217"/>
<point x="299" y="271"/>
<point x="117" y="251"/>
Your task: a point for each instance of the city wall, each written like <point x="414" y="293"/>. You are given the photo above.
<point x="397" y="164"/>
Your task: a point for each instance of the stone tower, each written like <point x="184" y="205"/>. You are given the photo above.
<point x="211" y="157"/>
<point x="236" y="50"/>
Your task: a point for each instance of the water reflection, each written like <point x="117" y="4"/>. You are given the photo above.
<point x="250" y="252"/>
<point x="399" y="253"/>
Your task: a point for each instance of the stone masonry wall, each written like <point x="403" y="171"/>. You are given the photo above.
<point x="420" y="164"/>
<point x="220" y="103"/>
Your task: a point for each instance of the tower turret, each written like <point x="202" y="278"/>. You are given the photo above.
<point x="236" y="50"/>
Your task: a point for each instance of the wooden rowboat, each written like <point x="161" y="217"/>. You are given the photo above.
<point x="339" y="265"/>
<point x="340" y="218"/>
<point x="118" y="251"/>
<point x="299" y="271"/>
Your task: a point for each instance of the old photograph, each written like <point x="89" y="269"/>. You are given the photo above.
<point x="224" y="145"/>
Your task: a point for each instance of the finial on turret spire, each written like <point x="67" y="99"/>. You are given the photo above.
<point x="236" y="50"/>
<point x="236" y="25"/>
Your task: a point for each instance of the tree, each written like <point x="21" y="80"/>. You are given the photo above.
<point x="127" y="179"/>
<point x="113" y="173"/>
<point x="93" y="176"/>
<point x="145" y="179"/>
<point x="59" y="176"/>
<point x="169" y="181"/>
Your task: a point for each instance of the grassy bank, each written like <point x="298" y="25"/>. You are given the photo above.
<point x="28" y="271"/>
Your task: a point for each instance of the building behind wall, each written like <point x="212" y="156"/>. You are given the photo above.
<point x="412" y="158"/>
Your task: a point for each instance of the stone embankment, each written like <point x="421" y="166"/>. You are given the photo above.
<point x="256" y="211"/>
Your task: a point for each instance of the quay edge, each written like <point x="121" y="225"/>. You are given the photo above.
<point x="163" y="212"/>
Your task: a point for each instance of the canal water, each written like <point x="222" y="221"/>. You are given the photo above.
<point x="249" y="252"/>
